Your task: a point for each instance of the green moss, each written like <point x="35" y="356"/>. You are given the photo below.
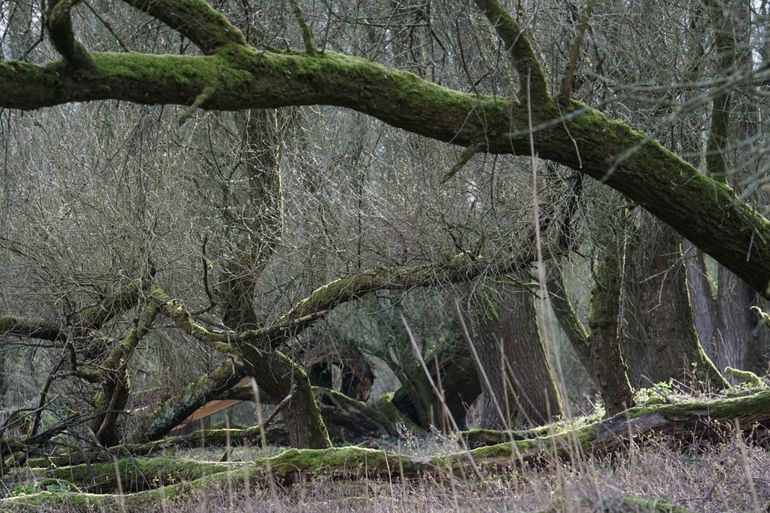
<point x="388" y="408"/>
<point x="343" y="460"/>
<point x="135" y="473"/>
<point x="747" y="378"/>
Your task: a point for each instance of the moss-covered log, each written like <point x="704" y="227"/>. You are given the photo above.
<point x="683" y="421"/>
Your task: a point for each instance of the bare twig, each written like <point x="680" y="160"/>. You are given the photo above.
<point x="465" y="156"/>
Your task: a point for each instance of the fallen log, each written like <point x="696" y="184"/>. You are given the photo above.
<point x="683" y="421"/>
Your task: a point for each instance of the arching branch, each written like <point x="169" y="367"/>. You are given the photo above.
<point x="195" y="20"/>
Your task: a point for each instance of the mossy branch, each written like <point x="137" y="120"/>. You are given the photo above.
<point x="304" y="28"/>
<point x="458" y="269"/>
<point x="94" y="317"/>
<point x="122" y="352"/>
<point x="684" y="421"/>
<point x="173" y="309"/>
<point x="197" y="20"/>
<point x="29" y="328"/>
<point x="707" y="213"/>
<point x="59" y="24"/>
<point x="465" y="156"/>
<point x="516" y="42"/>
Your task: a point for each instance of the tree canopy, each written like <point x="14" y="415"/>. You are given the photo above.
<point x="232" y="75"/>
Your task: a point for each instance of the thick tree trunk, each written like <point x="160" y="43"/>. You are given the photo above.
<point x="507" y="341"/>
<point x="734" y="322"/>
<point x="499" y="404"/>
<point x="660" y="341"/>
<point x="275" y="373"/>
<point x="279" y="376"/>
<point x="524" y="355"/>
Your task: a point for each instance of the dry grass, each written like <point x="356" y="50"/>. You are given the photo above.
<point x="724" y="478"/>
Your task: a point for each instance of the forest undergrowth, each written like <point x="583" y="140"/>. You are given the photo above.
<point x="726" y="477"/>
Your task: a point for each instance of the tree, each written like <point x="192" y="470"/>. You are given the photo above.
<point x="230" y="75"/>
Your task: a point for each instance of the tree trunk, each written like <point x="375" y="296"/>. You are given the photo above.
<point x="499" y="404"/>
<point x="274" y="372"/>
<point x="278" y="376"/>
<point x="704" y="306"/>
<point x="660" y="341"/>
<point x="604" y="318"/>
<point x="507" y="341"/>
<point x="576" y="332"/>
<point x="524" y="355"/>
<point x="454" y="373"/>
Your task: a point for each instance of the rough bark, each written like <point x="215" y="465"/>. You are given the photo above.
<point x="499" y="402"/>
<point x="232" y="76"/>
<point x="660" y="341"/>
<point x="531" y="374"/>
<point x="606" y="356"/>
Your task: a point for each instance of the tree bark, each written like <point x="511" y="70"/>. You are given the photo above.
<point x="606" y="356"/>
<point x="531" y="374"/>
<point x="660" y="341"/>
<point x="234" y="77"/>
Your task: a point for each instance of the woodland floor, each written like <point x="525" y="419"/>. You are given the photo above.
<point x="722" y="478"/>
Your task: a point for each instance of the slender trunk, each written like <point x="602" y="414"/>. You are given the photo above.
<point x="704" y="306"/>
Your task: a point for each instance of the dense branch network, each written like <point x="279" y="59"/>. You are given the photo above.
<point x="232" y="76"/>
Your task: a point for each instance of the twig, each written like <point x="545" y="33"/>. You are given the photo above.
<point x="207" y="93"/>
